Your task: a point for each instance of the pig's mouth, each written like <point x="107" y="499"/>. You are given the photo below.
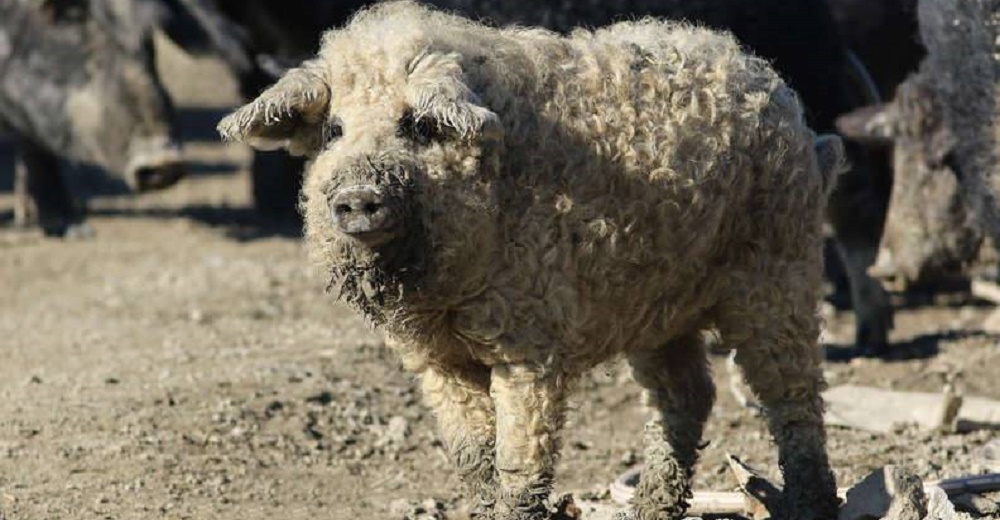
<point x="382" y="257"/>
<point x="149" y="178"/>
<point x="374" y="239"/>
<point x="154" y="165"/>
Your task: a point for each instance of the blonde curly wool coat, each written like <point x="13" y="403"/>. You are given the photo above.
<point x="554" y="202"/>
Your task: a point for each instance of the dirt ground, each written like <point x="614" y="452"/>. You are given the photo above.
<point x="186" y="363"/>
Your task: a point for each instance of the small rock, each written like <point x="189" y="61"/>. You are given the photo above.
<point x="432" y="504"/>
<point x="629" y="458"/>
<point x="112" y="381"/>
<point x="940" y="508"/>
<point x="429" y="509"/>
<point x="596" y="494"/>
<point x="987" y="458"/>
<point x="397" y="430"/>
<point x="197" y="316"/>
<point x="34" y="380"/>
<point x="891" y="493"/>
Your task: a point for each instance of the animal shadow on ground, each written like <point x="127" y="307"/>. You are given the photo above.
<point x="85" y="183"/>
<point x="924" y="346"/>
<point x="953" y="293"/>
<point x="242" y="224"/>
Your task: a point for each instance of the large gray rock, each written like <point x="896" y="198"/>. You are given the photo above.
<point x="892" y="493"/>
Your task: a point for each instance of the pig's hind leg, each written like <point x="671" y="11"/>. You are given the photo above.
<point x="680" y="391"/>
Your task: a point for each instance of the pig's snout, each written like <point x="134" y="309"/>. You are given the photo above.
<point x="158" y="177"/>
<point x="364" y="213"/>
<point x="155" y="164"/>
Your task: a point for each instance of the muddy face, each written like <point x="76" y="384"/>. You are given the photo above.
<point x="930" y="229"/>
<point x="377" y="245"/>
<point x="84" y="73"/>
<point x="399" y="197"/>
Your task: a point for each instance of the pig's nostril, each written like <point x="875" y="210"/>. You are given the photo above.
<point x="364" y="213"/>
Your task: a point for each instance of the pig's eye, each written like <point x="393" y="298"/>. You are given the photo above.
<point x="65" y="11"/>
<point x="332" y="132"/>
<point x="422" y="131"/>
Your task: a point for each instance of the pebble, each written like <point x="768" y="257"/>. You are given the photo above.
<point x="398" y="429"/>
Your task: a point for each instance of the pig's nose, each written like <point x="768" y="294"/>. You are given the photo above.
<point x="160" y="176"/>
<point x="362" y="212"/>
<point x="154" y="163"/>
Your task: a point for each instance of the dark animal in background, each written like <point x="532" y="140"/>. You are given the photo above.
<point x="799" y="37"/>
<point x="931" y="233"/>
<point x="78" y="82"/>
<point x="942" y="123"/>
<point x="884" y="35"/>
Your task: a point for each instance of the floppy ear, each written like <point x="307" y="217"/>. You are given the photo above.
<point x="437" y="91"/>
<point x="876" y="124"/>
<point x="290" y="114"/>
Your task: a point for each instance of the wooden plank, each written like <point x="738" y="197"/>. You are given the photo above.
<point x="882" y="411"/>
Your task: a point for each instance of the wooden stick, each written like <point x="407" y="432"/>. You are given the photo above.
<point x="962" y="485"/>
<point x="725" y="503"/>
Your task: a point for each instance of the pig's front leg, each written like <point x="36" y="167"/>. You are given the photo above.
<point x="41" y="196"/>
<point x="530" y="405"/>
<point x="460" y="399"/>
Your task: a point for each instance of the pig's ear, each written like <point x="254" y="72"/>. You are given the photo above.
<point x="870" y="124"/>
<point x="439" y="94"/>
<point x="290" y="114"/>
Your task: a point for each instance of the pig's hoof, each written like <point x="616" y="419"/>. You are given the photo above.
<point x="872" y="335"/>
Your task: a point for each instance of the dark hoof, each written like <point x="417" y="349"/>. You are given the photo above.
<point x="68" y="230"/>
<point x="872" y="333"/>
